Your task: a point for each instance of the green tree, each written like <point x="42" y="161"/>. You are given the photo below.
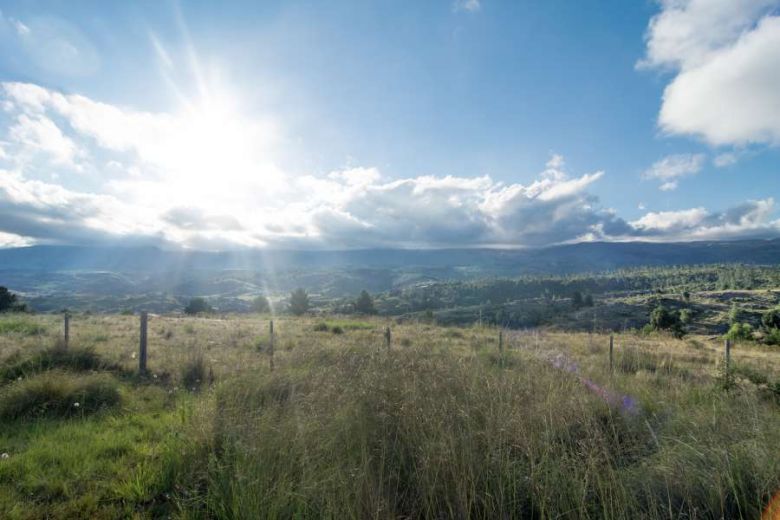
<point x="576" y="299"/>
<point x="735" y="314"/>
<point x="261" y="304"/>
<point x="197" y="305"/>
<point x="662" y="318"/>
<point x="588" y="301"/>
<point x="771" y="319"/>
<point x="299" y="302"/>
<point x="9" y="301"/>
<point x="365" y="304"/>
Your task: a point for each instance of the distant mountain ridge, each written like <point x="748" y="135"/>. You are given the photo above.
<point x="572" y="258"/>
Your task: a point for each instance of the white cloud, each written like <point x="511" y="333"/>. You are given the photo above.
<point x="725" y="159"/>
<point x="205" y="177"/>
<point x="726" y="56"/>
<point x="471" y="6"/>
<point x="753" y="218"/>
<point x="11" y="240"/>
<point x="40" y="132"/>
<point x="672" y="167"/>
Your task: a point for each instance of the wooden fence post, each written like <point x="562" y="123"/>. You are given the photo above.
<point x="66" y="331"/>
<point x="142" y="353"/>
<point x="611" y="355"/>
<point x="501" y="341"/>
<point x="388" y="337"/>
<point x="271" y="345"/>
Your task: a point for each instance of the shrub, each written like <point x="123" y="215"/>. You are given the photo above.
<point x="771" y="319"/>
<point x="299" y="302"/>
<point x="58" y="394"/>
<point x="337" y="330"/>
<point x="321" y="327"/>
<point x="686" y="316"/>
<point x="74" y="359"/>
<point x="735" y="314"/>
<point x="193" y="372"/>
<point x="261" y="304"/>
<point x="772" y="337"/>
<point x="197" y="306"/>
<point x="740" y="332"/>
<point x="662" y="318"/>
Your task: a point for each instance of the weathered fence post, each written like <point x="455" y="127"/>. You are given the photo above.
<point x="501" y="341"/>
<point x="271" y="345"/>
<point x="66" y="331"/>
<point x="142" y="353"/>
<point x="388" y="337"/>
<point x="611" y="354"/>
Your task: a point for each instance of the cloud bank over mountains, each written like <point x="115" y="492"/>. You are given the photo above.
<point x="75" y="170"/>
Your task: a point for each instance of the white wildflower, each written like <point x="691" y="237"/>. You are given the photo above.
<point x="76" y="404"/>
<point x="4" y="456"/>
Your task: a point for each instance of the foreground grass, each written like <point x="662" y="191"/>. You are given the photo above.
<point x="442" y="425"/>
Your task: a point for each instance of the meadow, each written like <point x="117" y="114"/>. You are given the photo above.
<point x="449" y="422"/>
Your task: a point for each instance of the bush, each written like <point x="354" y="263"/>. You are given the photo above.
<point x="771" y="319"/>
<point x="75" y="359"/>
<point x="740" y="332"/>
<point x="663" y="319"/>
<point x="299" y="302"/>
<point x="772" y="337"/>
<point x="197" y="306"/>
<point x="321" y="327"/>
<point x="261" y="304"/>
<point x="337" y="330"/>
<point x="193" y="373"/>
<point x="57" y="394"/>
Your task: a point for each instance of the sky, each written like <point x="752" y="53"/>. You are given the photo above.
<point x="379" y="124"/>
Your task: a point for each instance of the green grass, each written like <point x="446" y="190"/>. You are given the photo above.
<point x="20" y="326"/>
<point x="111" y="465"/>
<point x="73" y="359"/>
<point x="440" y="425"/>
<point x="56" y="394"/>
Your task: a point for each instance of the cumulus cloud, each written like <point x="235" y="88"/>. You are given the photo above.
<point x="750" y="219"/>
<point x="726" y="58"/>
<point x="43" y="134"/>
<point x="205" y="178"/>
<point x="672" y="167"/>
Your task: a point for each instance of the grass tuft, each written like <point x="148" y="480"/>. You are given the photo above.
<point x="58" y="394"/>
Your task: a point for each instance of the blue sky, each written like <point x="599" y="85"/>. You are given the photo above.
<point x="388" y="124"/>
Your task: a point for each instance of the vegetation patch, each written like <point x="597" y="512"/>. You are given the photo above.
<point x="22" y="326"/>
<point x="58" y="394"/>
<point x="71" y="359"/>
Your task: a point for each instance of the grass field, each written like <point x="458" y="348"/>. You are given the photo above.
<point x="442" y="425"/>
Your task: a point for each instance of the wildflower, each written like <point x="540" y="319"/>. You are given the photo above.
<point x="133" y="355"/>
<point x="76" y="404"/>
<point x="4" y="456"/>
